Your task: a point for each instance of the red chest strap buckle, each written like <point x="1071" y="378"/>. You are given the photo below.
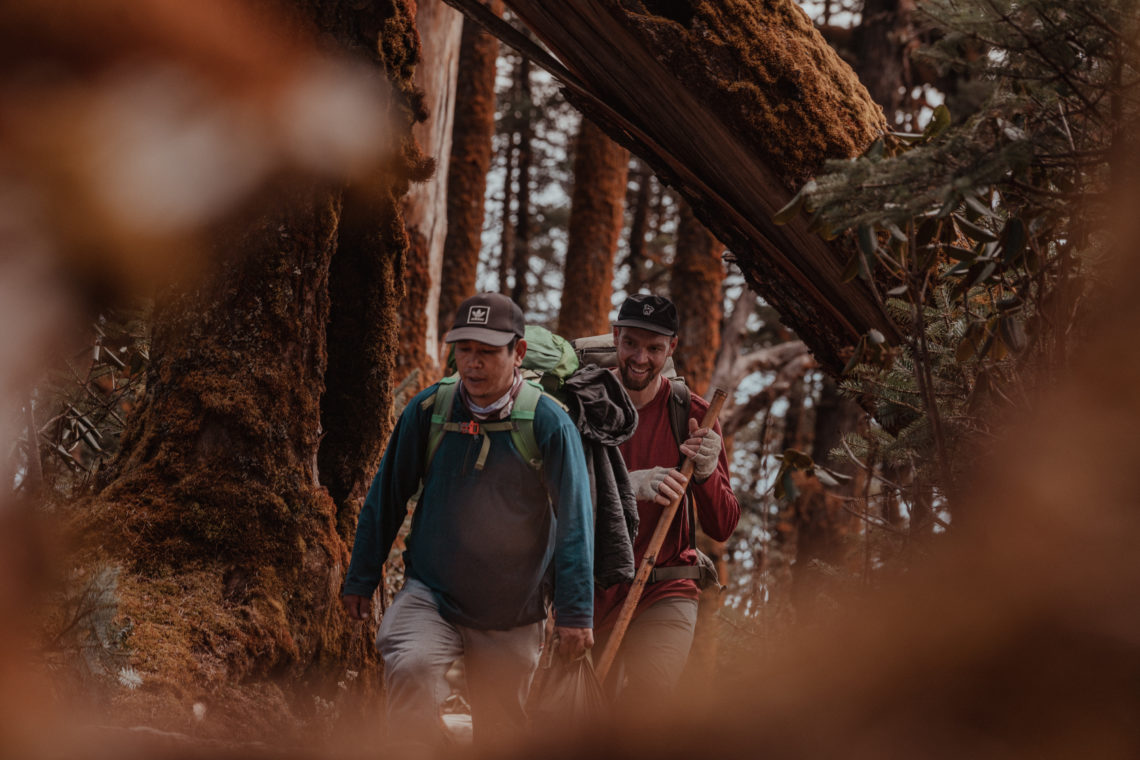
<point x="469" y="428"/>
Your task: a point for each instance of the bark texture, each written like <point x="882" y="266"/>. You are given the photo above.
<point x="471" y="150"/>
<point x="507" y="233"/>
<point x="638" y="227"/>
<point x="524" y="156"/>
<point x="425" y="208"/>
<point x="881" y="47"/>
<point x="229" y="543"/>
<point x="735" y="104"/>
<point x="695" y="288"/>
<point x="231" y="557"/>
<point x="600" y="171"/>
<point x="366" y="288"/>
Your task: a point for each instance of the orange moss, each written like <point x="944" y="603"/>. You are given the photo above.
<point x="768" y="73"/>
<point x="413" y="317"/>
<point x="229" y="544"/>
<point x="467" y="170"/>
<point x="600" y="172"/>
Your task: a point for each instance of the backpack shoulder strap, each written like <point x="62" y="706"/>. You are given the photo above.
<point x="522" y="415"/>
<point x="520" y="425"/>
<point x="440" y="405"/>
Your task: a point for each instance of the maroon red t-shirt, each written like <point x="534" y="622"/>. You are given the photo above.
<point x="653" y="445"/>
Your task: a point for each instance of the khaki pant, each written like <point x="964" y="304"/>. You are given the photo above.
<point x="418" y="646"/>
<point x="653" y="652"/>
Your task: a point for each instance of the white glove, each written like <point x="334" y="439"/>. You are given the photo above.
<point x="704" y="450"/>
<point x="647" y="483"/>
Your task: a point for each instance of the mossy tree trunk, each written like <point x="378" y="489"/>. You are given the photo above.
<point x="596" y="214"/>
<point x="471" y="149"/>
<point x="231" y="555"/>
<point x="695" y="282"/>
<point x="366" y="287"/>
<point x="735" y="104"/>
<point x="425" y="208"/>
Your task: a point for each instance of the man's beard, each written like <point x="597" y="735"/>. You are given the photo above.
<point x="635" y="385"/>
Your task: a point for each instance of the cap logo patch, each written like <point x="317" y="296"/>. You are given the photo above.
<point x="478" y="315"/>
<point x="647" y="310"/>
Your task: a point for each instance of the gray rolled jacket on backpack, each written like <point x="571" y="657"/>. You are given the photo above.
<point x="606" y="417"/>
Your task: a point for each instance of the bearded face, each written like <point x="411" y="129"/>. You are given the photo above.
<point x="641" y="356"/>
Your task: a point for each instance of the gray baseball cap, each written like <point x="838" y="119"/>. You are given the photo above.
<point x="489" y="318"/>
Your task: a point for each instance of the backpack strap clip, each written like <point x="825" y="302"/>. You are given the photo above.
<point x="520" y="424"/>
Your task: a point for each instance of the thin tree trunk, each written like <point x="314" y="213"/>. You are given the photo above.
<point x="880" y="53"/>
<point x="521" y="242"/>
<point x="507" y="233"/>
<point x="471" y="149"/>
<point x="596" y="215"/>
<point x="835" y="416"/>
<point x="638" y="228"/>
<point x="695" y="286"/>
<point x="793" y="418"/>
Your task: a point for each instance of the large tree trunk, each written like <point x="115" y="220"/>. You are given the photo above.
<point x="425" y="209"/>
<point x="228" y="543"/>
<point x="695" y="282"/>
<point x="596" y="215"/>
<point x="735" y="104"/>
<point x="471" y="148"/>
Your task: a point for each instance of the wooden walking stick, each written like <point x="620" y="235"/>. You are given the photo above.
<point x="650" y="559"/>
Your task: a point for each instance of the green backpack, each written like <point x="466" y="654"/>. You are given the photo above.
<point x="520" y="424"/>
<point x="549" y="360"/>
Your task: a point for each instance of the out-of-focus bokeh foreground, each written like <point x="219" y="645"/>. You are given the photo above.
<point x="901" y="234"/>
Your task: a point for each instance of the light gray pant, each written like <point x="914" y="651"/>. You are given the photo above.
<point x="654" y="650"/>
<point x="418" y="646"/>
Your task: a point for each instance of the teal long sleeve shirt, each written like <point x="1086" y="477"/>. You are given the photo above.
<point x="492" y="545"/>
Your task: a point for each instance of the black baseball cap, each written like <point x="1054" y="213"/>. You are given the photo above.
<point x="489" y="318"/>
<point x="649" y="312"/>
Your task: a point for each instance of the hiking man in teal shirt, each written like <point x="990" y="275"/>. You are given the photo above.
<point x="493" y="537"/>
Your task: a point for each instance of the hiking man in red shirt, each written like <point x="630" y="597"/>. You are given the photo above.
<point x="653" y="653"/>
